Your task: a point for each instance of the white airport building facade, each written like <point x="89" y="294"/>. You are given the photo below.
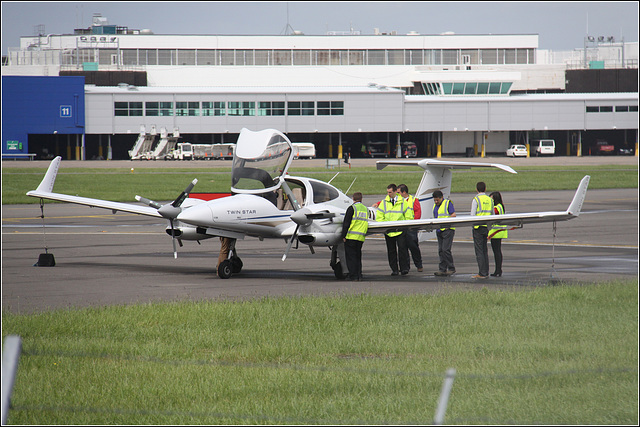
<point x="449" y="94"/>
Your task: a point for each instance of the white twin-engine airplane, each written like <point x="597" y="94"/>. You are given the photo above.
<point x="268" y="203"/>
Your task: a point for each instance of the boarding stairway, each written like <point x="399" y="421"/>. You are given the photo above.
<point x="142" y="148"/>
<point x="166" y="144"/>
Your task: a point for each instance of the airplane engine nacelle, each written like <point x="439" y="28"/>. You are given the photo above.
<point x="319" y="239"/>
<point x="187" y="233"/>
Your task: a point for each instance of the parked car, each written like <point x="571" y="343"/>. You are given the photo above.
<point x="378" y="149"/>
<point x="544" y="146"/>
<point x="604" y="147"/>
<point x="625" y="151"/>
<point x="517" y="151"/>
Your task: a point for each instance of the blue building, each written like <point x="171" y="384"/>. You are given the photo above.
<point x="42" y="114"/>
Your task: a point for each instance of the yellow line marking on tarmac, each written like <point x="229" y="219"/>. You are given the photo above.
<point x="89" y="233"/>
<point x="106" y="216"/>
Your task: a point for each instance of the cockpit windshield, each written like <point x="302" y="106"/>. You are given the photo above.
<point x="259" y="160"/>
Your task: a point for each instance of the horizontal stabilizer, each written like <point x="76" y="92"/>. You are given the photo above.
<point x="447" y="164"/>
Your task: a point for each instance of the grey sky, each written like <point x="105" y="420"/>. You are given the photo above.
<point x="560" y="25"/>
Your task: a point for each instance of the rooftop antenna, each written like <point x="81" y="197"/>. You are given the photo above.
<point x="288" y="30"/>
<point x="38" y="30"/>
<point x="587" y="23"/>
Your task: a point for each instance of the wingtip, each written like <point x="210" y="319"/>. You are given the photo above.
<point x="46" y="185"/>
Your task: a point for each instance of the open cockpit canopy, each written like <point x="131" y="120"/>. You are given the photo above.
<point x="259" y="161"/>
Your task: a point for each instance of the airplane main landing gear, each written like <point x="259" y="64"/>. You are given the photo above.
<point x="336" y="265"/>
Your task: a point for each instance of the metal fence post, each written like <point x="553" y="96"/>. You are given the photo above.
<point x="444" y="397"/>
<point x="10" y="356"/>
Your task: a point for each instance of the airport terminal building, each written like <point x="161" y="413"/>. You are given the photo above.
<point x="88" y="94"/>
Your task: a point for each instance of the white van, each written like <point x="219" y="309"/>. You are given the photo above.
<point x="303" y="150"/>
<point x="543" y="147"/>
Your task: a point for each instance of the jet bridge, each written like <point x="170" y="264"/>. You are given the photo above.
<point x="144" y="143"/>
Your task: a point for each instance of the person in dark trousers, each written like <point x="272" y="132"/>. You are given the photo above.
<point x="443" y="208"/>
<point x="395" y="208"/>
<point x="413" y="245"/>
<point x="354" y="230"/>
<point x="497" y="233"/>
<point x="482" y="205"/>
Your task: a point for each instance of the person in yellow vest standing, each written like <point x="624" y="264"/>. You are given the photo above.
<point x="354" y="230"/>
<point x="443" y="208"/>
<point x="413" y="245"/>
<point x="482" y="205"/>
<point x="395" y="208"/>
<point x="497" y="233"/>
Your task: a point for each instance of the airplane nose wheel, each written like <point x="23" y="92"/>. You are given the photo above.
<point x="232" y="265"/>
<point x="229" y="267"/>
<point x="225" y="269"/>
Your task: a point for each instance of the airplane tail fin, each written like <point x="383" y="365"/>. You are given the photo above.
<point x="578" y="199"/>
<point x="46" y="186"/>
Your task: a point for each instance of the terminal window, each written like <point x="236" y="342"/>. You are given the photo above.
<point x="187" y="108"/>
<point x="241" y="109"/>
<point x="268" y="108"/>
<point x="216" y="108"/>
<point x="330" y="108"/>
<point x="301" y="108"/>
<point x="128" y="109"/>
<point x="158" y="109"/>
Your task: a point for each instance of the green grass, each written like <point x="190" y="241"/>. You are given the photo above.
<point x="551" y="355"/>
<point x="166" y="184"/>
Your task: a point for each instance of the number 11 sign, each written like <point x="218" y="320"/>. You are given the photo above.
<point x="65" y="111"/>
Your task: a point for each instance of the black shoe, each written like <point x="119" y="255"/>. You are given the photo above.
<point x="394" y="273"/>
<point x="497" y="274"/>
<point x="405" y="272"/>
<point x="440" y="273"/>
<point x="451" y="272"/>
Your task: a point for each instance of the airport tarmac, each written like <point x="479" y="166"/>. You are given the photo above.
<point x="105" y="259"/>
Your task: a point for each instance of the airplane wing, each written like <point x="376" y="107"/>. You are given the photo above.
<point x="45" y="191"/>
<point x="518" y="219"/>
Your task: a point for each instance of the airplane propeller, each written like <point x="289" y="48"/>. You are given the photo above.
<point x="304" y="217"/>
<point x="291" y="239"/>
<point x="170" y="211"/>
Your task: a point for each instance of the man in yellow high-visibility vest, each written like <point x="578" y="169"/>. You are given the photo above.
<point x="395" y="208"/>
<point x="413" y="245"/>
<point x="482" y="205"/>
<point x="354" y="230"/>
